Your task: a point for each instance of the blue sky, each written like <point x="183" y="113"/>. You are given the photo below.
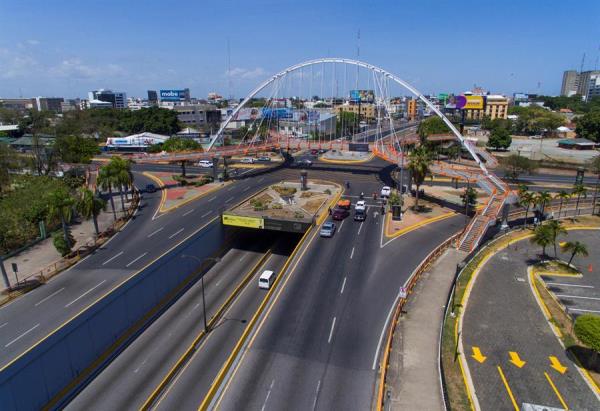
<point x="65" y="48"/>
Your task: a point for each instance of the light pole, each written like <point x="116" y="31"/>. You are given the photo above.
<point x="216" y="260"/>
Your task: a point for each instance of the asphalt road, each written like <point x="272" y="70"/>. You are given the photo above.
<point x="319" y="347"/>
<point x="143" y="241"/>
<point x="501" y="317"/>
<point x="130" y="379"/>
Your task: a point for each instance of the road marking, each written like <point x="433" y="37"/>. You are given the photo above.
<point x="516" y="360"/>
<point x="242" y="257"/>
<point x="22" y="335"/>
<point x="112" y="258"/>
<point x="49" y="297"/>
<point x="212" y="199"/>
<point x="316" y="395"/>
<point x="175" y="233"/>
<point x="268" y="395"/>
<point x="188" y="212"/>
<point x="583" y="311"/>
<point x="359" y="228"/>
<point x="478" y="356"/>
<point x="155" y="232"/>
<point x="352" y="253"/>
<point x="261" y="180"/>
<point x="343" y="286"/>
<point x="246" y="189"/>
<point x="575" y="296"/>
<point x="230" y="188"/>
<point x="341" y="225"/>
<point x="229" y="199"/>
<point x="141" y="365"/>
<point x="131" y="262"/>
<point x="86" y="293"/>
<point x="3" y="325"/>
<point x="555" y="363"/>
<point x="331" y="331"/>
<point x="510" y="394"/>
<point x="205" y="214"/>
<point x="560" y="398"/>
<point x="571" y="285"/>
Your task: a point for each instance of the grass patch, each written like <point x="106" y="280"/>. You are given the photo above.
<point x="284" y="191"/>
<point x="555" y="267"/>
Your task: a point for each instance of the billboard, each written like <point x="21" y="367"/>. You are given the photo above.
<point x="173" y="95"/>
<point x="307" y="115"/>
<point x="246" y="114"/>
<point x="364" y="96"/>
<point x="470" y="102"/>
<point x="275" y="113"/>
<point x="240" y="221"/>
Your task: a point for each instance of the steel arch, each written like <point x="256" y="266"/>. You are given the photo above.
<point x="358" y="63"/>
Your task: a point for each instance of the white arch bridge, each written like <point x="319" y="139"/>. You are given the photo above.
<point x="384" y="147"/>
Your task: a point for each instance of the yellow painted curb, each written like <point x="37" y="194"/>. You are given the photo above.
<point x="416" y="225"/>
<point x="163" y="194"/>
<point x="249" y="166"/>
<point x="366" y="160"/>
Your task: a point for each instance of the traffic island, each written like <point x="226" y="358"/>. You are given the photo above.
<point x="346" y="157"/>
<point x="178" y="190"/>
<point x="411" y="219"/>
<point x="285" y="206"/>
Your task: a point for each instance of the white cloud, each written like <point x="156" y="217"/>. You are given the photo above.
<point x="76" y="68"/>
<point x="32" y="42"/>
<point x="246" y="74"/>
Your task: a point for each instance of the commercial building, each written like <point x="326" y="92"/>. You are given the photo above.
<point x="411" y="109"/>
<point x="585" y="83"/>
<point x="492" y="106"/>
<point x="198" y="115"/>
<point x="570" y="83"/>
<point x="135" y="142"/>
<point x="577" y="144"/>
<point x="173" y="97"/>
<point x="18" y="104"/>
<point x="367" y="111"/>
<point x="306" y="121"/>
<point x="116" y="98"/>
<point x="48" y="104"/>
<point x="70" y="105"/>
<point x="152" y="97"/>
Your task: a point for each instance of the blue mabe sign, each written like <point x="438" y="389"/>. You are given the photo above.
<point x="172" y="95"/>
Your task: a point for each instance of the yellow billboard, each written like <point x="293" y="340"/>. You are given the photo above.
<point x="474" y="103"/>
<point x="240" y="221"/>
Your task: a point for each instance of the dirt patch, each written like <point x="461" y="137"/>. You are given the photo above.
<point x="313" y="205"/>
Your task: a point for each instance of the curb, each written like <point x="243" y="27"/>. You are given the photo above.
<point x="416" y="225"/>
<point x="326" y="160"/>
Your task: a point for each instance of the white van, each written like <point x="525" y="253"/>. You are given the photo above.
<point x="266" y="279"/>
<point x="205" y="163"/>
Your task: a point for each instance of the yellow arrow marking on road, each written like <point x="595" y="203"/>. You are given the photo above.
<point x="516" y="360"/>
<point x="555" y="363"/>
<point x="477" y="355"/>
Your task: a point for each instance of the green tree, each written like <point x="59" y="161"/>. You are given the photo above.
<point x="60" y="205"/>
<point x="419" y="161"/>
<point x="587" y="330"/>
<point x="526" y="199"/>
<point x="175" y="144"/>
<point x="469" y="197"/>
<point x="107" y="180"/>
<point x="89" y="206"/>
<point x="62" y="245"/>
<point x="76" y="149"/>
<point x="432" y="125"/>
<point x="556" y="229"/>
<point x="594" y="166"/>
<point x="575" y="248"/>
<point x="579" y="190"/>
<point x="346" y="123"/>
<point x="9" y="161"/>
<point x="562" y="196"/>
<point x="499" y="138"/>
<point x="542" y="236"/>
<point x="588" y="126"/>
<point x="514" y="165"/>
<point x="541" y="199"/>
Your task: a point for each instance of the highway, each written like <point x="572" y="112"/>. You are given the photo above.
<point x="319" y="347"/>
<point x="130" y="379"/>
<point x="142" y="243"/>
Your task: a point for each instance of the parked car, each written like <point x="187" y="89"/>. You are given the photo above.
<point x="264" y="158"/>
<point x="205" y="164"/>
<point x="386" y="191"/>
<point x="322" y="151"/>
<point x="328" y="229"/>
<point x="314" y="151"/>
<point x="247" y="160"/>
<point x="150" y="188"/>
<point x="340" y="214"/>
<point x="305" y="162"/>
<point x="361" y="205"/>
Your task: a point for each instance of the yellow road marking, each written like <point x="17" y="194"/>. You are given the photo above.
<point x="516" y="360"/>
<point x="416" y="225"/>
<point x="510" y="394"/>
<point x="560" y="398"/>
<point x="477" y="355"/>
<point x="555" y="363"/>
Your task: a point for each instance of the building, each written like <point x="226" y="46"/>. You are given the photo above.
<point x="570" y="83"/>
<point x="18" y="104"/>
<point x="367" y="111"/>
<point x="198" y="115"/>
<point x="173" y="96"/>
<point x="70" y="105"/>
<point x="492" y="106"/>
<point x="135" y="142"/>
<point x="304" y="122"/>
<point x="577" y="144"/>
<point x="152" y="97"/>
<point x="411" y="109"/>
<point x="592" y="89"/>
<point x="116" y="98"/>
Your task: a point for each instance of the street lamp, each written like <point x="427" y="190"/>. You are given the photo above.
<point x="214" y="259"/>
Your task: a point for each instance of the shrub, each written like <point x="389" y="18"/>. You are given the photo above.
<point x="285" y="191"/>
<point x="60" y="244"/>
<point x="587" y="329"/>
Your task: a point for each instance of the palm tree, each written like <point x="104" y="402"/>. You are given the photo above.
<point x="106" y="181"/>
<point x="543" y="198"/>
<point x="579" y="190"/>
<point x="542" y="237"/>
<point x="121" y="172"/>
<point x="60" y="204"/>
<point x="90" y="206"/>
<point x="563" y="195"/>
<point x="556" y="228"/>
<point x="419" y="162"/>
<point x="526" y="199"/>
<point x="575" y="248"/>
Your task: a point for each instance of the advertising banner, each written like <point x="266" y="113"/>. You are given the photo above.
<point x="240" y="221"/>
<point x="470" y="102"/>
<point x="307" y="115"/>
<point x="246" y="114"/>
<point x="172" y="95"/>
<point x="364" y="96"/>
<point x="277" y="113"/>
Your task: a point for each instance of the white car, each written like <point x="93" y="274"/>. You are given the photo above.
<point x="205" y="164"/>
<point x="386" y="191"/>
<point x="247" y="160"/>
<point x="360" y="205"/>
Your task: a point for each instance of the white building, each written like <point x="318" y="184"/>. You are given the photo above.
<point x="116" y="98"/>
<point x="135" y="142"/>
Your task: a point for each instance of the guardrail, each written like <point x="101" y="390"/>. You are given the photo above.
<point x="409" y="285"/>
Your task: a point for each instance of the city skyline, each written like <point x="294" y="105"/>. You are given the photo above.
<point x="75" y="48"/>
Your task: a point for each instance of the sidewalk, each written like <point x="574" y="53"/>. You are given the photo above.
<point x="413" y="374"/>
<point x="44" y="254"/>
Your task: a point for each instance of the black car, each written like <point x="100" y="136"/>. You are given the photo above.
<point x="360" y="215"/>
<point x="340" y="214"/>
<point x="150" y="188"/>
<point x="264" y="158"/>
